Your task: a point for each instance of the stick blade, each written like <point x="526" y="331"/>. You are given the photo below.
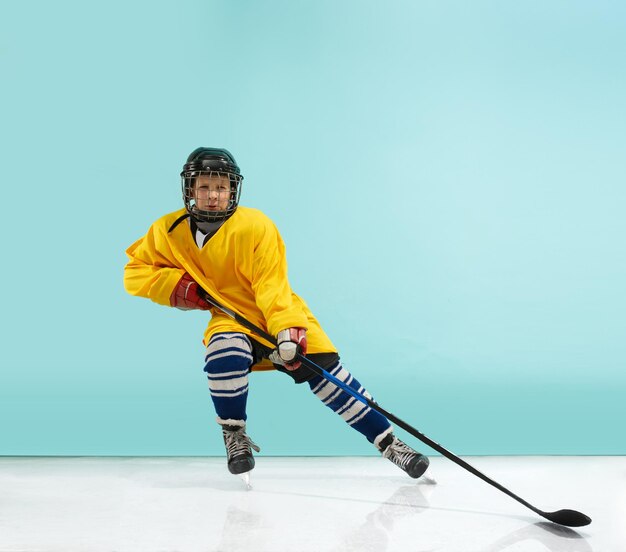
<point x="569" y="518"/>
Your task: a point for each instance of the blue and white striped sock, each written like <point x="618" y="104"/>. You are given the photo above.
<point x="357" y="414"/>
<point x="228" y="360"/>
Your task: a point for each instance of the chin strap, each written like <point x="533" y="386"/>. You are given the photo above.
<point x="178" y="221"/>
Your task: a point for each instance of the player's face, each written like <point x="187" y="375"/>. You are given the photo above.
<point x="212" y="192"/>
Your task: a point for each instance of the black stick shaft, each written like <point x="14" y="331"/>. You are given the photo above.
<point x="375" y="406"/>
<point x="410" y="429"/>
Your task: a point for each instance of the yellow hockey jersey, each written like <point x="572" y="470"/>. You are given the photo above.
<point x="243" y="266"/>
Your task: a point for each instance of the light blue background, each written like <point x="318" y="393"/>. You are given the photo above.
<point x="448" y="178"/>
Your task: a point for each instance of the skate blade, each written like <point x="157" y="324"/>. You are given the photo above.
<point x="245" y="477"/>
<point x="427" y="478"/>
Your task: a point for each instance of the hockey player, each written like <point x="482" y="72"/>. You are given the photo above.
<point x="235" y="254"/>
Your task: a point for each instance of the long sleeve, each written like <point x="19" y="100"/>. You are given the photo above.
<point x="151" y="271"/>
<point x="243" y="266"/>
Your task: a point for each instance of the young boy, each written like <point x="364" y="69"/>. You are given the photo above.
<point x="236" y="255"/>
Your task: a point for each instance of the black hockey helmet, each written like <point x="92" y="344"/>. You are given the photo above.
<point x="213" y="162"/>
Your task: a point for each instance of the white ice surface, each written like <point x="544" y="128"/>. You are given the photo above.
<point x="306" y="504"/>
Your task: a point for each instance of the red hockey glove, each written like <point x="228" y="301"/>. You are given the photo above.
<point x="188" y="295"/>
<point x="291" y="342"/>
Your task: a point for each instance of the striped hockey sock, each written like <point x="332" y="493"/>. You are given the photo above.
<point x="228" y="360"/>
<point x="357" y="414"/>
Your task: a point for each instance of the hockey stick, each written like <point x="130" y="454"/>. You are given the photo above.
<point x="569" y="518"/>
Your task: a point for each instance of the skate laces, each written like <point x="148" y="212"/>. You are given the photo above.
<point x="237" y="442"/>
<point x="399" y="453"/>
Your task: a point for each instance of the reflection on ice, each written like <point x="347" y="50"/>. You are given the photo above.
<point x="303" y="504"/>
<point x="554" y="538"/>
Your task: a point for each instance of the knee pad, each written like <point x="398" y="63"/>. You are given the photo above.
<point x="228" y="361"/>
<point x="228" y="353"/>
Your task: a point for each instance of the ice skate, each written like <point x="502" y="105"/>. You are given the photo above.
<point x="403" y="456"/>
<point x="238" y="447"/>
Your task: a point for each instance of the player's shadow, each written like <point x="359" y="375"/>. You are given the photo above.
<point x="411" y="500"/>
<point x="375" y="533"/>
<point x="408" y="501"/>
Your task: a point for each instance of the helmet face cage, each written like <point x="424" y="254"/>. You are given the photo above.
<point x="196" y="201"/>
